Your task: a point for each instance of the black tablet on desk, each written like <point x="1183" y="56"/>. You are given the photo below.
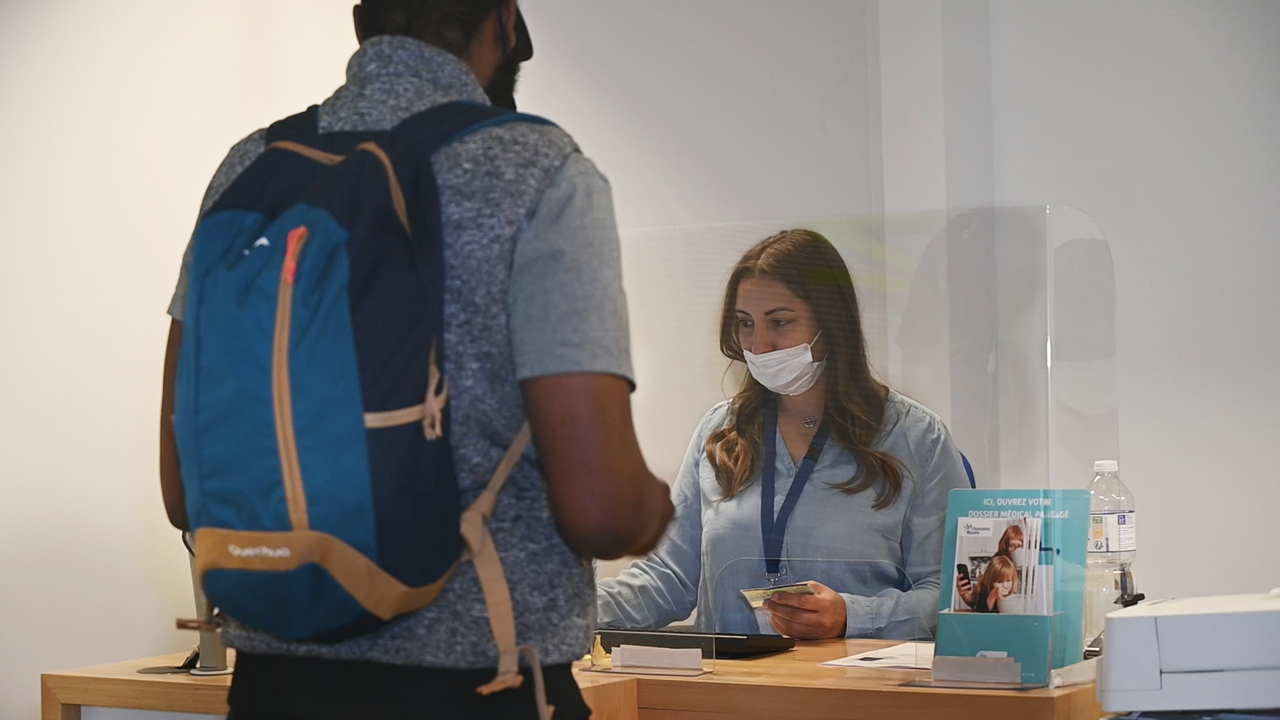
<point x="727" y="647"/>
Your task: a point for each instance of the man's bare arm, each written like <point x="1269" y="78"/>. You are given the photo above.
<point x="604" y="499"/>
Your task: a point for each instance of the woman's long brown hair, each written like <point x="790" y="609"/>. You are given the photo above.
<point x="811" y="268"/>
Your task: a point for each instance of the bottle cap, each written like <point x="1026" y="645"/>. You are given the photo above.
<point x="1101" y="466"/>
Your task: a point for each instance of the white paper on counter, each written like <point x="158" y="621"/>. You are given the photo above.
<point x="909" y="656"/>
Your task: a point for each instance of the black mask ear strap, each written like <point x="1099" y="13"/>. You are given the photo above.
<point x="524" y="44"/>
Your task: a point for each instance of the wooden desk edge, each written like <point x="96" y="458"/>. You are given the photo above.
<point x="675" y="698"/>
<point x="119" y="685"/>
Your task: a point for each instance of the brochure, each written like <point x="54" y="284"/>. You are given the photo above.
<point x="1013" y="577"/>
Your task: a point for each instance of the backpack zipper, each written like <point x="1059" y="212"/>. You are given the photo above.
<point x="281" y="394"/>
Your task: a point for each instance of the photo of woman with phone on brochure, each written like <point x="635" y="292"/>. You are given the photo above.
<point x="1002" y="576"/>
<point x="999" y="580"/>
<point x="1012" y="539"/>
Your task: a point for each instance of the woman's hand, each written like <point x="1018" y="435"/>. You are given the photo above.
<point x="808" y="617"/>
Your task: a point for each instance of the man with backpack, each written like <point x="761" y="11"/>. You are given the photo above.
<point x="380" y="293"/>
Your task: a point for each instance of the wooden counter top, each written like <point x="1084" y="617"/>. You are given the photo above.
<point x="783" y="686"/>
<point x="794" y="685"/>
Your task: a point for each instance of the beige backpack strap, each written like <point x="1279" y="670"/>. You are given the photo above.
<point x="497" y="594"/>
<point x="430" y="412"/>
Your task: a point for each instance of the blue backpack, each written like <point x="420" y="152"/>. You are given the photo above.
<point x="311" y="407"/>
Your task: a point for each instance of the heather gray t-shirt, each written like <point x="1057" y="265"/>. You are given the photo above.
<point x="534" y="288"/>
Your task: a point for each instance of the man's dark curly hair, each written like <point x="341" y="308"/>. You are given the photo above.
<point x="448" y="24"/>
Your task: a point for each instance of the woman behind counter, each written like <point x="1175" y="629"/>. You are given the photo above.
<point x="861" y="525"/>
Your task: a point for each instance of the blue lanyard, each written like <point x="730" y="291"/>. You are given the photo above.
<point x="775" y="531"/>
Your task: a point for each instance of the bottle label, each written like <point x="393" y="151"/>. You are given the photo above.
<point x="1113" y="532"/>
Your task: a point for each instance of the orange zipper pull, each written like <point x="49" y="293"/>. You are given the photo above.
<point x="297" y="236"/>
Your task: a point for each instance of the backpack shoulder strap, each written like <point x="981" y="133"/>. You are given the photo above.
<point x="436" y="127"/>
<point x="301" y="128"/>
<point x="302" y="132"/>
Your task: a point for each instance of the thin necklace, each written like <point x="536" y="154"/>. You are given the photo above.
<point x="810" y="421"/>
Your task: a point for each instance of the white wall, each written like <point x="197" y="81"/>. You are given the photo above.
<point x="1159" y="119"/>
<point x="1156" y="118"/>
<point x="682" y="104"/>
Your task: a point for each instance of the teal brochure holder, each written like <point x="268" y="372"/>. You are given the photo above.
<point x="1023" y="552"/>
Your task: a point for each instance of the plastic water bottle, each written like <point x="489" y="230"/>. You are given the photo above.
<point x="1113" y="543"/>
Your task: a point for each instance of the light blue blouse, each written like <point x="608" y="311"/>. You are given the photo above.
<point x="885" y="563"/>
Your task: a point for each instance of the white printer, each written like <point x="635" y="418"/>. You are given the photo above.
<point x="1203" y="653"/>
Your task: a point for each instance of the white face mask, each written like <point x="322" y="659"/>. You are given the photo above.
<point x="787" y="372"/>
